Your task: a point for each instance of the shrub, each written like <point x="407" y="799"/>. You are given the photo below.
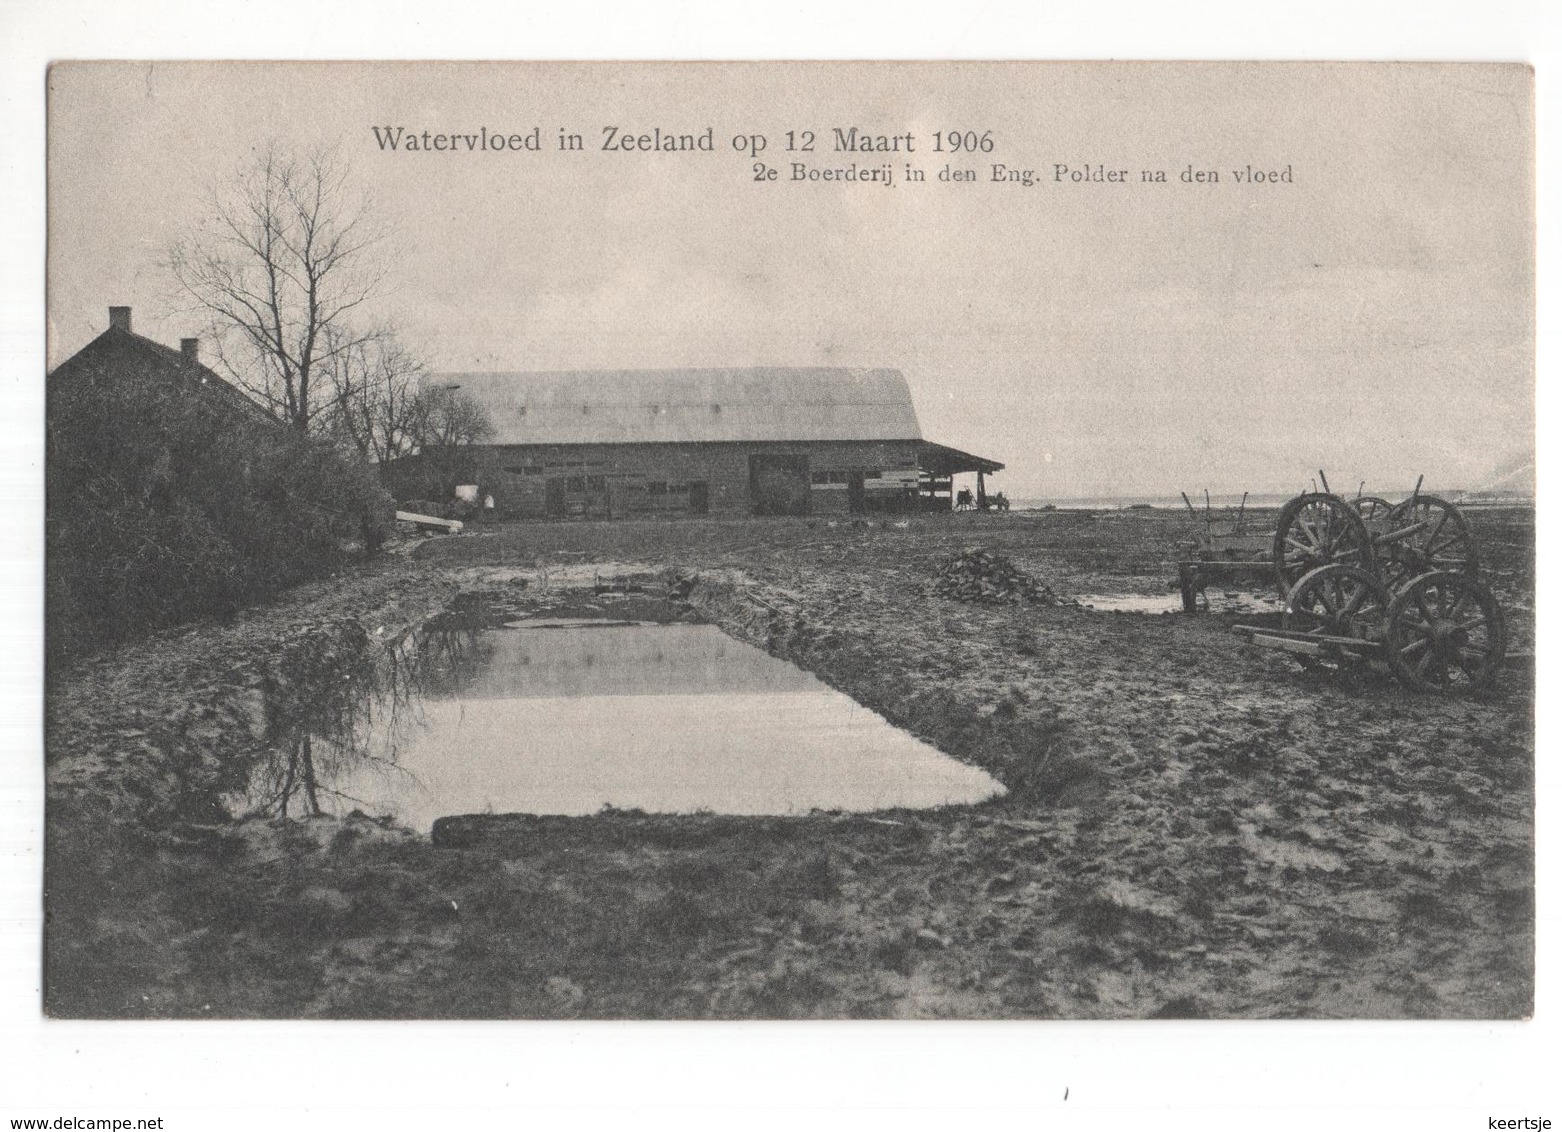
<point x="164" y="506"/>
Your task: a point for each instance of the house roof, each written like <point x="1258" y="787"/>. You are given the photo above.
<point x="659" y="406"/>
<point x="107" y="356"/>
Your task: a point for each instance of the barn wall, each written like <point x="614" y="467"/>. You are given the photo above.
<point x="644" y="480"/>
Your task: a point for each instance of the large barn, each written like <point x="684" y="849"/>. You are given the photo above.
<point x="635" y="443"/>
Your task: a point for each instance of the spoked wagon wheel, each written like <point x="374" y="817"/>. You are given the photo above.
<point x="1425" y="533"/>
<point x="1445" y="633"/>
<point x="1317" y="529"/>
<point x="1338" y="601"/>
<point x="1370" y="507"/>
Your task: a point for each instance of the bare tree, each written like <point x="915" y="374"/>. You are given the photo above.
<point x="284" y="261"/>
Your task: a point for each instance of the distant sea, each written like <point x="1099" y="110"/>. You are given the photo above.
<point x="1222" y="502"/>
<point x="1117" y="503"/>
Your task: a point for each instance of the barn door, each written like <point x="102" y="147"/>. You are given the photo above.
<point x="778" y="485"/>
<point x="856" y="492"/>
<point x="554" y="500"/>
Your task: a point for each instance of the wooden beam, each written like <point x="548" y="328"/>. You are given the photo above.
<point x="454" y="526"/>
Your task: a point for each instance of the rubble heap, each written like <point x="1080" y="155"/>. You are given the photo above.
<point x="989" y="578"/>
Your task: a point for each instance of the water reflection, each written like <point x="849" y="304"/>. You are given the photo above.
<point x="569" y="718"/>
<point x="348" y="717"/>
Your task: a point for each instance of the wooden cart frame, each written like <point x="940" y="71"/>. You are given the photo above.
<point x="1392" y="584"/>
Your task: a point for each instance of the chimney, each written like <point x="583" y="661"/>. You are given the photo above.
<point x="191" y="349"/>
<point x="119" y="318"/>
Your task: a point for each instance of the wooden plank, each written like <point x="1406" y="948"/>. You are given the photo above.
<point x="1292" y="644"/>
<point x="1242" y="542"/>
<point x="1298" y="635"/>
<point x="451" y="525"/>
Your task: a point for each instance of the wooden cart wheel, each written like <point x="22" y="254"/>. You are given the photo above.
<point x="1338" y="601"/>
<point x="1317" y="529"/>
<point x="1371" y="507"/>
<point x="1445" y="633"/>
<point x="1438" y="538"/>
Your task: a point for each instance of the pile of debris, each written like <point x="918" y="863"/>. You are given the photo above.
<point x="989" y="578"/>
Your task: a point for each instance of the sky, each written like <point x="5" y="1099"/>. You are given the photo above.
<point x="1371" y="314"/>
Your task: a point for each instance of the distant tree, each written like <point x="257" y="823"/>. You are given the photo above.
<point x="447" y="418"/>
<point x="447" y="423"/>
<point x="283" y="265"/>
<point x="374" y="404"/>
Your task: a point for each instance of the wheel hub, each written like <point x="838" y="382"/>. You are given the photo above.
<point x="1447" y="636"/>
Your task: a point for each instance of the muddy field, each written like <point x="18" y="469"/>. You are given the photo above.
<point x="1192" y="827"/>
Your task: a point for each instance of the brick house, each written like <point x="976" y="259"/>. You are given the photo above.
<point x="120" y="355"/>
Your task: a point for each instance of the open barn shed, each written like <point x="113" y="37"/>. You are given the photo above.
<point x="638" y="443"/>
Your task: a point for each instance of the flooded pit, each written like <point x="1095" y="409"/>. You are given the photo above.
<point x="568" y="715"/>
<point x="1215" y="601"/>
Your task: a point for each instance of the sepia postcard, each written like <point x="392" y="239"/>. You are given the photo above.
<point x="790" y="541"/>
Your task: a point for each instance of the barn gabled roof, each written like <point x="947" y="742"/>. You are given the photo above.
<point x="691" y="405"/>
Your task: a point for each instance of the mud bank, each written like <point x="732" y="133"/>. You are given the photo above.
<point x="154" y="731"/>
<point x="980" y="722"/>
